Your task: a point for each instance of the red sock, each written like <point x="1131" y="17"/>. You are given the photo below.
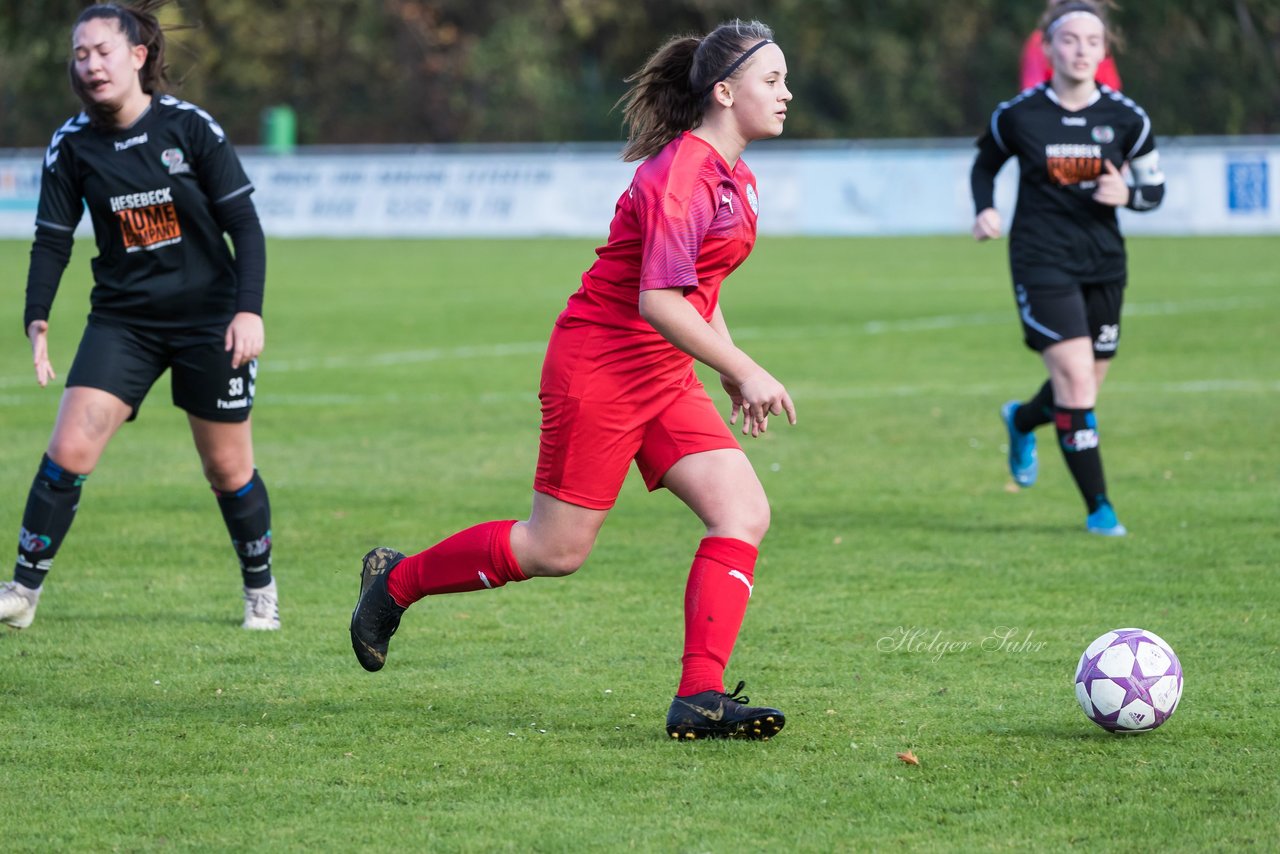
<point x="714" y="603"/>
<point x="478" y="558"/>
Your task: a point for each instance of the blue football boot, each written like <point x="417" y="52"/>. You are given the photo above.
<point x="1103" y="521"/>
<point x="1024" y="463"/>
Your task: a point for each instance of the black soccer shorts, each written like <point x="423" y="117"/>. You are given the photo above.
<point x="126" y="361"/>
<point x="1057" y="312"/>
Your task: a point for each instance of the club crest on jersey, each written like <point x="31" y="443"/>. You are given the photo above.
<point x="753" y="199"/>
<point x="175" y="160"/>
<point x="1103" y="134"/>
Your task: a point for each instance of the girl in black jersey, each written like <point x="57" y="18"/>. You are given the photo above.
<point x="162" y="186"/>
<point x="1074" y="141"/>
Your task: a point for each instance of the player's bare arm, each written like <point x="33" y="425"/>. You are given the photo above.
<point x="675" y="319"/>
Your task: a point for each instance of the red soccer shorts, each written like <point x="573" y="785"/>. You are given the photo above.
<point x="610" y="397"/>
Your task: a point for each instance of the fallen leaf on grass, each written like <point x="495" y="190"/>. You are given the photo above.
<point x="909" y="758"/>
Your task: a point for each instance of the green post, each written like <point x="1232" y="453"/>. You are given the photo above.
<point x="279" y="129"/>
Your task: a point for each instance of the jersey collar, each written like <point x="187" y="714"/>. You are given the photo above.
<point x="1053" y="96"/>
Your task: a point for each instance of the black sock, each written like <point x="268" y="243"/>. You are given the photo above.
<point x="247" y="512"/>
<point x="51" y="507"/>
<point x="1036" y="411"/>
<point x="1078" y="438"/>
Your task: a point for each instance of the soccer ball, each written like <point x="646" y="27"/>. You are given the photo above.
<point x="1129" y="680"/>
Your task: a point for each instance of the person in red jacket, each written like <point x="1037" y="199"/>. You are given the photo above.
<point x="1035" y="67"/>
<point x="618" y="381"/>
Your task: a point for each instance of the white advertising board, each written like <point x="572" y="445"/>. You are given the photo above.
<point x="1215" y="186"/>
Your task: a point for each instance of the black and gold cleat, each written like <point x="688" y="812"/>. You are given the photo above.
<point x="713" y="714"/>
<point x="377" y="616"/>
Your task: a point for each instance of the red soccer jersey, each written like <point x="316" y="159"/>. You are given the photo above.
<point x="687" y="221"/>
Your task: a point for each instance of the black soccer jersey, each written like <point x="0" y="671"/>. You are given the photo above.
<point x="150" y="190"/>
<point x="1059" y="232"/>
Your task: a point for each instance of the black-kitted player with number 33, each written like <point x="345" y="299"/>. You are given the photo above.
<point x="162" y="186"/>
<point x="1073" y="140"/>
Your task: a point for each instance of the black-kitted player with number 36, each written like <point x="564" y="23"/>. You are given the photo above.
<point x="162" y="186"/>
<point x="1072" y="138"/>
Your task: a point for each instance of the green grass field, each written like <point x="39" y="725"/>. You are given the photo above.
<point x="396" y="404"/>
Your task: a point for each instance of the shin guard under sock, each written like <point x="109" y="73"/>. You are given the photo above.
<point x="715" y="601"/>
<point x="1078" y="438"/>
<point x="247" y="514"/>
<point x="51" y="507"/>
<point x="479" y="558"/>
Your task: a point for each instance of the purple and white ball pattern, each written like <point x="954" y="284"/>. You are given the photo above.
<point x="1129" y="680"/>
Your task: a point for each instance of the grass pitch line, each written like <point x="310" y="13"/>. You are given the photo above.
<point x="871" y="327"/>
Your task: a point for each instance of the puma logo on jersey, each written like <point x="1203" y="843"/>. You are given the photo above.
<point x="726" y="199"/>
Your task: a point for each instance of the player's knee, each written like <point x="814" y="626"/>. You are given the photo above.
<point x="756" y="518"/>
<point x="560" y="562"/>
<point x="226" y="472"/>
<point x="1080" y="390"/>
<point x="71" y="455"/>
<point x="747" y="520"/>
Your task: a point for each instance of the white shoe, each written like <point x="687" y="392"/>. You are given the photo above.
<point x="18" y="604"/>
<point x="261" y="608"/>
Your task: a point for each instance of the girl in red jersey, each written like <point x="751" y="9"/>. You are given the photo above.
<point x="618" y="382"/>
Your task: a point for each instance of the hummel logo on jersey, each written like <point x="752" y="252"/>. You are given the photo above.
<point x="131" y="142"/>
<point x="1074" y="121"/>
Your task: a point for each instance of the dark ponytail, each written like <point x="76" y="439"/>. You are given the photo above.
<point x="141" y="26"/>
<point x="669" y="94"/>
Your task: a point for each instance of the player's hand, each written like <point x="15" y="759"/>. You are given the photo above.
<point x="1112" y="189"/>
<point x="758" y="397"/>
<point x="986" y="225"/>
<point x="38" y="333"/>
<point x="245" y="338"/>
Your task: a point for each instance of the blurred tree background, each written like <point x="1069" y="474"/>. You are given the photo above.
<point x="419" y="71"/>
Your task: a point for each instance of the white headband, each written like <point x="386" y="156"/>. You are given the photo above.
<point x="1067" y="17"/>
